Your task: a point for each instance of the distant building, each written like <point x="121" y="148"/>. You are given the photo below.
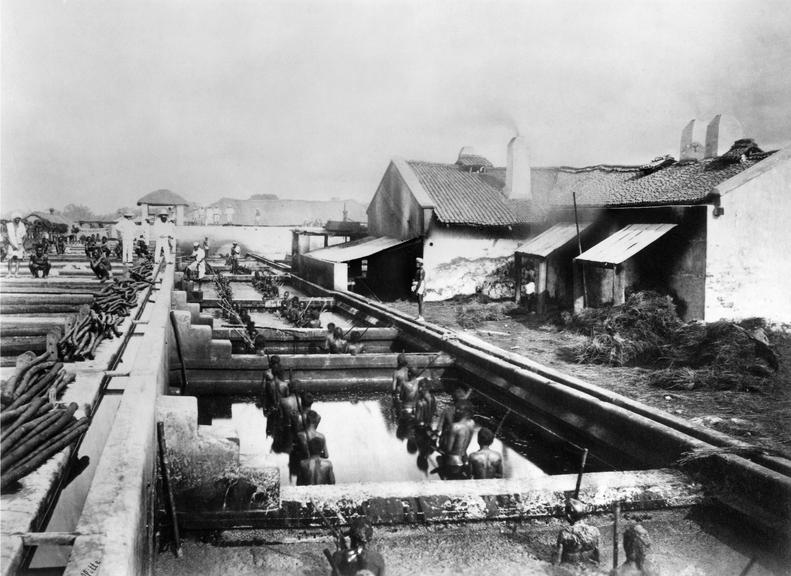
<point x="269" y="210"/>
<point x="709" y="228"/>
<point x="158" y="199"/>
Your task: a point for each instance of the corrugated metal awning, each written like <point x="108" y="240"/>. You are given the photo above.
<point x="356" y="249"/>
<point x="624" y="244"/>
<point x="550" y="240"/>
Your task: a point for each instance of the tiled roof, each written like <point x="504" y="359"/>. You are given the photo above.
<point x="594" y="185"/>
<point x="657" y="183"/>
<point x="680" y="183"/>
<point x="461" y="197"/>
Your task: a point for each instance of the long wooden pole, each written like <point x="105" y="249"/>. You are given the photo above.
<point x="579" y="247"/>
<point x="581" y="472"/>
<point x="179" y="350"/>
<point x="616" y="511"/>
<point x="163" y="462"/>
<point x="749" y="566"/>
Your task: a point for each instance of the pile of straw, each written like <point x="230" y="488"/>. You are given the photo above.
<point x="646" y="331"/>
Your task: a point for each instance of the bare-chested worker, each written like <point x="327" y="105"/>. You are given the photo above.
<point x="356" y="345"/>
<point x="329" y="338"/>
<point x="274" y="388"/>
<point x="312" y="420"/>
<point x="315" y="470"/>
<point x="408" y="393"/>
<point x="578" y="543"/>
<point x="637" y="545"/>
<point x="400" y="374"/>
<point x="460" y="394"/>
<point x="339" y="345"/>
<point x="425" y="405"/>
<point x="459" y="437"/>
<point x="485" y="463"/>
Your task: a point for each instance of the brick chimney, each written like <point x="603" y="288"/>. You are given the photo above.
<point x="517" y="175"/>
<point x="722" y="131"/>
<point x="692" y="141"/>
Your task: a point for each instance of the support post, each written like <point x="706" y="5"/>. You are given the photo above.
<point x="517" y="277"/>
<point x="579" y="247"/>
<point x="163" y="462"/>
<point x="541" y="286"/>
<point x="616" y="511"/>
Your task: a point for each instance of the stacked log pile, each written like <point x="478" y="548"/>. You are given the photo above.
<point x="35" y="426"/>
<point x="110" y="307"/>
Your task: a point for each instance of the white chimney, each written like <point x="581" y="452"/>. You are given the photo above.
<point x="692" y="139"/>
<point x="722" y="132"/>
<point x="517" y="174"/>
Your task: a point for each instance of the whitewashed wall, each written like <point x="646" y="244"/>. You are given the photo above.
<point x="461" y="261"/>
<point x="748" y="257"/>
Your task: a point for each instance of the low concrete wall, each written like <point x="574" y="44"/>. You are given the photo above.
<point x="608" y="419"/>
<point x="116" y="526"/>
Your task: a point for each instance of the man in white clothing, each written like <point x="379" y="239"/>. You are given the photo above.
<point x="128" y="231"/>
<point x="165" y="234"/>
<point x="16" y="238"/>
<point x="198" y="265"/>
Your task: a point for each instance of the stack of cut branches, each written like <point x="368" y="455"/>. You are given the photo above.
<point x="34" y="427"/>
<point x="234" y="313"/>
<point x="110" y="306"/>
<point x="81" y="341"/>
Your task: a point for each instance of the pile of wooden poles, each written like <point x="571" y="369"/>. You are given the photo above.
<point x="110" y="306"/>
<point x="34" y="427"/>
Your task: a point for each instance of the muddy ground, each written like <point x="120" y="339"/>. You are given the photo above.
<point x="684" y="543"/>
<point x="760" y="417"/>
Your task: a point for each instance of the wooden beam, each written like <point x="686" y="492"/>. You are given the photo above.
<point x="48" y="538"/>
<point x="34" y="298"/>
<point x="319" y="361"/>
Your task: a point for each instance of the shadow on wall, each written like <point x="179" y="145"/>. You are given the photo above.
<point x="271" y="241"/>
<point x="493" y="277"/>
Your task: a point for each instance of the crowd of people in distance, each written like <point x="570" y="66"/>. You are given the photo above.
<point x="18" y="239"/>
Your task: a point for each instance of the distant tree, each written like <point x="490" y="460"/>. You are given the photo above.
<point x="78" y="212"/>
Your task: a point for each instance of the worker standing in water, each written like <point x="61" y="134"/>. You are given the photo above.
<point x="419" y="287"/>
<point x="485" y="463"/>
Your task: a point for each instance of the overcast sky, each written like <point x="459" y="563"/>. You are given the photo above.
<point x="104" y="101"/>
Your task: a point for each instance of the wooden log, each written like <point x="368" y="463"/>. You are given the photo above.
<point x="416" y="360"/>
<point x="171" y="503"/>
<point x="34" y="298"/>
<point x="304" y="334"/>
<point x="218" y="383"/>
<point x="12" y="329"/>
<point x="40" y="309"/>
<point x="48" y="538"/>
<point x="15" y="345"/>
<point x="40" y="456"/>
